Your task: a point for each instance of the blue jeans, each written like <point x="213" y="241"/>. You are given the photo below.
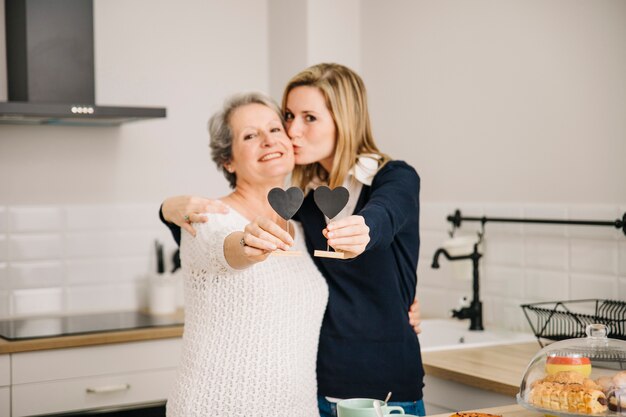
<point x="328" y="409"/>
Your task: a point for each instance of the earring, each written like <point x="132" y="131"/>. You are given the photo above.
<point x="229" y="168"/>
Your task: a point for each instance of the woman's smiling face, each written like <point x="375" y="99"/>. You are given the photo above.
<point x="261" y="149"/>
<point x="310" y="126"/>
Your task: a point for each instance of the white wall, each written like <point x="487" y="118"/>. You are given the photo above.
<point x="334" y="32"/>
<point x="59" y="186"/>
<point x="514" y="100"/>
<point x="184" y="56"/>
<point x="509" y="108"/>
<point x="288" y="22"/>
<point x="307" y="32"/>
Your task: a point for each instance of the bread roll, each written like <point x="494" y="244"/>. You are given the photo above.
<point x="606" y="383"/>
<point x="568" y="392"/>
<point x="619" y="380"/>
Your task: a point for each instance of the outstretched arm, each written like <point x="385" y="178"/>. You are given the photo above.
<point x="349" y="235"/>
<point x="258" y="240"/>
<point x="394" y="202"/>
<point x="179" y="211"/>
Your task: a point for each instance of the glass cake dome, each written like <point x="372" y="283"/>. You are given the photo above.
<point x="584" y="376"/>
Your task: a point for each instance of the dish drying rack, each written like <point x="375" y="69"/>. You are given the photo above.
<point x="559" y="320"/>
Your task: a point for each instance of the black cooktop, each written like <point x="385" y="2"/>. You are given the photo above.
<point x="39" y="327"/>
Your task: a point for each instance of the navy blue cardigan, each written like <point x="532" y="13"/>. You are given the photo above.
<point x="367" y="346"/>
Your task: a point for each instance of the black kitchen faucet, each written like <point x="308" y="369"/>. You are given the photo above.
<point x="474" y="311"/>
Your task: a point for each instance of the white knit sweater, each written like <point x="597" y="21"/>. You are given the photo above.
<point x="250" y="337"/>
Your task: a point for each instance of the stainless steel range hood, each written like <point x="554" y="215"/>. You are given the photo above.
<point x="50" y="67"/>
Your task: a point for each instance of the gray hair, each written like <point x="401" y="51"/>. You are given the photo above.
<point x="221" y="134"/>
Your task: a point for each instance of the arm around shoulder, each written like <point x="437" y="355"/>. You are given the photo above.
<point x="394" y="202"/>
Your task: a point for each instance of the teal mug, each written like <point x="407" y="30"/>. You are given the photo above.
<point x="364" y="407"/>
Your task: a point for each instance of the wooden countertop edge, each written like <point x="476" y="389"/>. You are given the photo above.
<point x="471" y="380"/>
<point x="101" y="338"/>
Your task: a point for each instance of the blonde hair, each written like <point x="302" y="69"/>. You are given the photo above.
<point x="346" y="99"/>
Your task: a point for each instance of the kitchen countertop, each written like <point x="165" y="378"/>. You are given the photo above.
<point x="92" y="339"/>
<point x="494" y="368"/>
<point x="505" y="411"/>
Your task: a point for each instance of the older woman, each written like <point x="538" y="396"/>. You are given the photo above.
<point x="252" y="320"/>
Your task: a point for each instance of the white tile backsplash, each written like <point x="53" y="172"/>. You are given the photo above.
<point x="593" y="286"/>
<point x="3" y="220"/>
<point x="132" y="217"/>
<point x="30" y="302"/>
<point x="470" y="210"/>
<point x="596" y="213"/>
<point x="89" y="258"/>
<point x="51" y="255"/>
<point x="35" y="247"/>
<point x="114" y="217"/>
<point x="4" y="248"/>
<point x="5" y="305"/>
<point x="38" y="274"/>
<point x="504" y="211"/>
<point x="100" y="298"/>
<point x="545" y="211"/>
<point x="4" y="276"/>
<point x="542" y="285"/>
<point x="106" y="244"/>
<point x="593" y="256"/>
<point x="93" y="244"/>
<point x="526" y="263"/>
<point x="548" y="252"/>
<point x="92" y="271"/>
<point x="135" y="243"/>
<point x="506" y="313"/>
<point x="80" y="218"/>
<point x="438" y="302"/>
<point x="35" y="219"/>
<point x="504" y="250"/>
<point x="503" y="282"/>
<point x="621" y="249"/>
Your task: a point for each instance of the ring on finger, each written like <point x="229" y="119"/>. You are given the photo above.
<point x="186" y="217"/>
<point x="242" y="242"/>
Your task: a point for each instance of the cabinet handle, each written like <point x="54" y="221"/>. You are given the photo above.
<point x="108" y="388"/>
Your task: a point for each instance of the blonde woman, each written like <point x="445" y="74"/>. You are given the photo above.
<point x="367" y="344"/>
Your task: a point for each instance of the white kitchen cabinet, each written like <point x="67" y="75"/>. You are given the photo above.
<point x="84" y="378"/>
<point x="5" y="370"/>
<point x="5" y="381"/>
<point x="5" y="402"/>
<point x="91" y="392"/>
<point x="444" y="396"/>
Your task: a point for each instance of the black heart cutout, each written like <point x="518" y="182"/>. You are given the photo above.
<point x="285" y="202"/>
<point x="331" y="202"/>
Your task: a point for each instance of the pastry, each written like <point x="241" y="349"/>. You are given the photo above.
<point x="606" y="383"/>
<point x="619" y="380"/>
<point x="568" y="392"/>
<point x="470" y="414"/>
<point x="617" y="400"/>
<point x="565" y="377"/>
